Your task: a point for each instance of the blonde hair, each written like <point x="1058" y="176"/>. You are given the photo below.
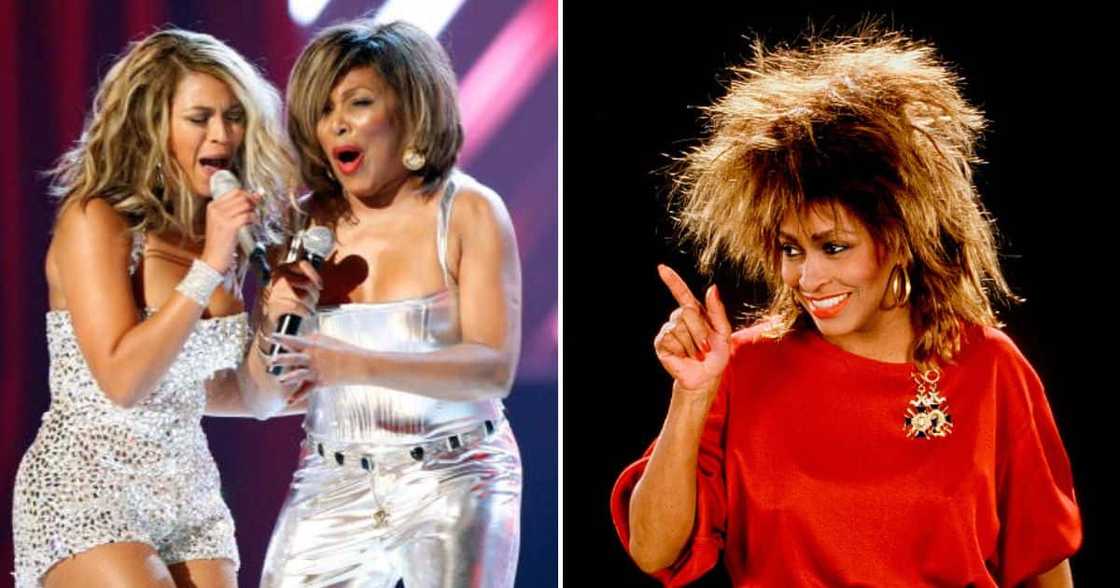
<point x="411" y="62"/>
<point x="874" y="122"/>
<point x="123" y="155"/>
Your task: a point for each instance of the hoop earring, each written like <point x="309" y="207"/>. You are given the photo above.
<point x="898" y="286"/>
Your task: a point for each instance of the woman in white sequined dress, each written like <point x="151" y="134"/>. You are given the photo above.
<point x="119" y="487"/>
<point x="410" y="470"/>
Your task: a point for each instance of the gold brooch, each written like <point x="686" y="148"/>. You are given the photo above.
<point x="928" y="415"/>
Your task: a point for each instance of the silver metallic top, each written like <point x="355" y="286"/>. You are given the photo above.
<point x="380" y="414"/>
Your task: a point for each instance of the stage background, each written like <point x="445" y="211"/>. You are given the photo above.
<point x="632" y="85"/>
<point x="52" y="55"/>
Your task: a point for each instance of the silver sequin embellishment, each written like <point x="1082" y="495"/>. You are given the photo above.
<point x="98" y="473"/>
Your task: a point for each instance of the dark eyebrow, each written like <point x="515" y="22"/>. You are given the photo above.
<point x="821" y="236"/>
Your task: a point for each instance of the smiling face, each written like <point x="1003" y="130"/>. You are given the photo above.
<point x="207" y="127"/>
<point x="361" y="134"/>
<point x="839" y="274"/>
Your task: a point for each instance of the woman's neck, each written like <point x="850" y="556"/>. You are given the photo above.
<point x="890" y="339"/>
<point x="392" y="194"/>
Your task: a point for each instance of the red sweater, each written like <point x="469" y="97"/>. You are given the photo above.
<point x="806" y="476"/>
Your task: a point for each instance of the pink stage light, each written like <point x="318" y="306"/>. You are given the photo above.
<point x="512" y="63"/>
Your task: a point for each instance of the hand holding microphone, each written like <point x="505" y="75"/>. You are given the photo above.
<point x="315" y="246"/>
<point x="226" y="219"/>
<point x="226" y="193"/>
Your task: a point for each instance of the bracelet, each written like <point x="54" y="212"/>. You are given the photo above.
<point x="200" y="282"/>
<point x="263" y="347"/>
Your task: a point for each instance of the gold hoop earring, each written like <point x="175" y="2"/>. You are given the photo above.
<point x="898" y="284"/>
<point x="413" y="160"/>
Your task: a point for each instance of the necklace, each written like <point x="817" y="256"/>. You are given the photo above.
<point x="928" y="414"/>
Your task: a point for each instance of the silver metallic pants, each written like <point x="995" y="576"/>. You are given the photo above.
<point x="450" y="520"/>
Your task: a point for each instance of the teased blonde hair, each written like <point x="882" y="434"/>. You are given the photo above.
<point x="123" y="155"/>
<point x="874" y="122"/>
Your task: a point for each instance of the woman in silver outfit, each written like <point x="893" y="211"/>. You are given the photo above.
<point x="410" y="470"/>
<point x="119" y="487"/>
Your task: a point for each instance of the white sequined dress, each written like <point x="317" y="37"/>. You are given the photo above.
<point x="98" y="473"/>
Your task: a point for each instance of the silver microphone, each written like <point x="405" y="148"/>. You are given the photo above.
<point x="315" y="244"/>
<point x="223" y="183"/>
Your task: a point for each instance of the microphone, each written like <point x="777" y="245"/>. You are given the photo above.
<point x="223" y="182"/>
<point x="316" y="244"/>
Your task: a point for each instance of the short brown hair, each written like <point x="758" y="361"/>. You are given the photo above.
<point x="410" y="61"/>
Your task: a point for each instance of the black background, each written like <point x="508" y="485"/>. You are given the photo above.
<point x="633" y="79"/>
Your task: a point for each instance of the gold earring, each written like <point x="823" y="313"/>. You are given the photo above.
<point x="159" y="176"/>
<point x="413" y="160"/>
<point x="899" y="286"/>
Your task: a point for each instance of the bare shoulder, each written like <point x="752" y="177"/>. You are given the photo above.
<point x="477" y="205"/>
<point x="95" y="224"/>
<point x="481" y="233"/>
<point x="90" y="241"/>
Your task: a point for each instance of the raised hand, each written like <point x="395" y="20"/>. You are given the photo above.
<point x="694" y="345"/>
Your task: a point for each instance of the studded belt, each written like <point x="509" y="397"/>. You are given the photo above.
<point x="344" y="455"/>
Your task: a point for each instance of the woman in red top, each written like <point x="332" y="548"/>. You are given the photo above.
<point x="874" y="427"/>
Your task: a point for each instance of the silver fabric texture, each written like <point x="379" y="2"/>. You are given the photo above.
<point x="98" y="473"/>
<point x="379" y="414"/>
<point x="450" y="520"/>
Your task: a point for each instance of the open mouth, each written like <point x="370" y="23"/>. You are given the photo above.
<point x="349" y="159"/>
<point x="213" y="164"/>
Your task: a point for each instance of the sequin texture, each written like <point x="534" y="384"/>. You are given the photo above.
<point x="98" y="473"/>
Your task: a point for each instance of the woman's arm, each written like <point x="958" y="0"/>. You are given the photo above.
<point x="663" y="505"/>
<point x="127" y="356"/>
<point x="483" y="365"/>
<point x="694" y="348"/>
<point x="251" y="390"/>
